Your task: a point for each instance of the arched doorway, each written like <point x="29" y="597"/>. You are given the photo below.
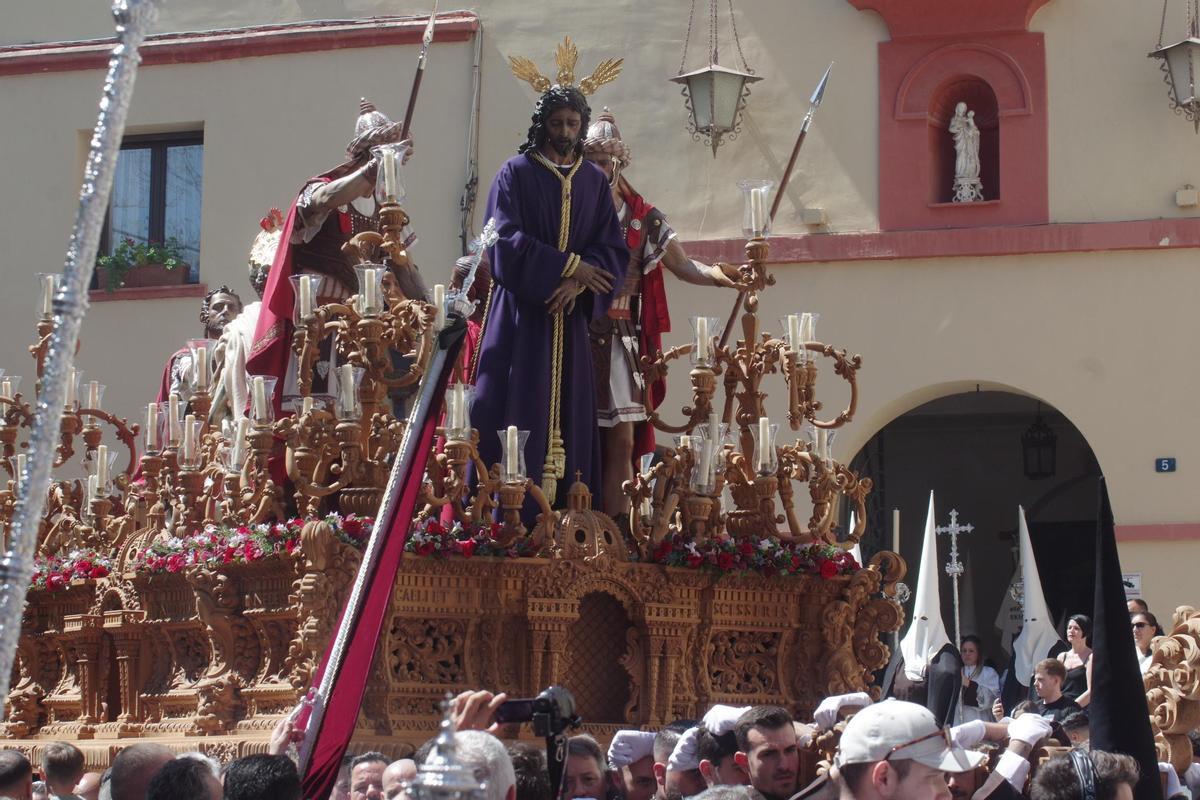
<point x="967" y="448"/>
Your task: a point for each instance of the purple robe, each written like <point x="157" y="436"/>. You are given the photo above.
<point x="512" y="386"/>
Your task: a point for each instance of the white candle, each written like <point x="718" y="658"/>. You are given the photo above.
<point x="346" y="388"/>
<point x="93" y="395"/>
<point x="439" y="305"/>
<point x="189" y="437"/>
<point x="102" y="465"/>
<point x="756" y="211"/>
<point x="21" y="459"/>
<point x="306" y="405"/>
<point x="368" y="289"/>
<point x="6" y="390"/>
<point x="202" y="367"/>
<point x="764" y="443"/>
<point x="151" y="426"/>
<point x="701" y="338"/>
<point x="706" y="460"/>
<point x="239" y="441"/>
<point x="895" y="530"/>
<point x="306" y="303"/>
<point x="173" y="419"/>
<point x="389" y="175"/>
<point x="48" y="296"/>
<point x="793" y="323"/>
<point x="822" y="444"/>
<point x="93" y="487"/>
<point x="260" y="398"/>
<point x="510" y="455"/>
<point x="458" y="420"/>
<point x="72" y="379"/>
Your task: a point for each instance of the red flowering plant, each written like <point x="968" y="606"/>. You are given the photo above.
<point x="430" y="538"/>
<point x="767" y="556"/>
<point x="55" y="573"/>
<point x="216" y="546"/>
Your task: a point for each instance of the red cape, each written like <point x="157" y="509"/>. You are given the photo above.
<point x="655" y="321"/>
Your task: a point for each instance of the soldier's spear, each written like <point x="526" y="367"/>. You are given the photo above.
<point x="426" y="39"/>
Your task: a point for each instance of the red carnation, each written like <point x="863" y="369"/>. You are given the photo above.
<point x="435" y="529"/>
<point x="467" y="548"/>
<point x="694" y="561"/>
<point x="98" y="571"/>
<point x="725" y="561"/>
<point x="663" y="550"/>
<point x="425" y="549"/>
<point x="55" y="581"/>
<point x="828" y="568"/>
<point x="745" y="548"/>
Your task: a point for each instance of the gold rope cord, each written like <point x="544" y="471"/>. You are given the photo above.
<point x="556" y="455"/>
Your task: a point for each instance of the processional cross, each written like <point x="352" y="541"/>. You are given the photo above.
<point x="954" y="567"/>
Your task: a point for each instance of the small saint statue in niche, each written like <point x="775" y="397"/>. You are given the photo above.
<point x="967" y="186"/>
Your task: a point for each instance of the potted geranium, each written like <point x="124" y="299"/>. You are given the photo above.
<point x="136" y="263"/>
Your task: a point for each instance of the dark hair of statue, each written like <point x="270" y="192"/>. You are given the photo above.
<point x="552" y="100"/>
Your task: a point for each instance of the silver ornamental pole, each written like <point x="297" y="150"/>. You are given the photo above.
<point x="954" y="569"/>
<point x="16" y="568"/>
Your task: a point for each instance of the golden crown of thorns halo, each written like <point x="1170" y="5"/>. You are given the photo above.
<point x="565" y="57"/>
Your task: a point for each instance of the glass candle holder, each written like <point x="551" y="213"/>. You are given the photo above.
<point x="806" y="332"/>
<point x="74" y="380"/>
<point x="92" y="395"/>
<point x="389" y="188"/>
<point x="458" y="411"/>
<point x="347" y="405"/>
<point x="48" y="283"/>
<point x="103" y="462"/>
<point x="152" y="441"/>
<point x="237" y="449"/>
<point x="202" y="362"/>
<point x="9" y="385"/>
<point x="704" y="333"/>
<point x="704" y="465"/>
<point x="190" y="456"/>
<point x="306" y="289"/>
<point x="369" y="301"/>
<point x="19" y="465"/>
<point x="766" y="458"/>
<point x="756" y="207"/>
<point x="170" y="423"/>
<point x="512" y="454"/>
<point x="262" y="390"/>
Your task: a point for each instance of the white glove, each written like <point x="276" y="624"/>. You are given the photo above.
<point x="1192" y="776"/>
<point x="827" y="713"/>
<point x="683" y="757"/>
<point x="630" y="746"/>
<point x="1014" y="768"/>
<point x="1029" y="728"/>
<point x="1174" y="787"/>
<point x="721" y="719"/>
<point x="968" y="734"/>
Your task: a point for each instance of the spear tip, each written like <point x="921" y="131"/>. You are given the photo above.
<point x="819" y="92"/>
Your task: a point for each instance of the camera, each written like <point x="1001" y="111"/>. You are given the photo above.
<point x="551" y="712"/>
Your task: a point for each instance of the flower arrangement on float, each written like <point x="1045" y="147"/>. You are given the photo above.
<point x="216" y="545"/>
<point x="432" y="539"/>
<point x="768" y="556"/>
<point x="55" y="573"/>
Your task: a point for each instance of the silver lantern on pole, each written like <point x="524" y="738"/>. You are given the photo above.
<point x="715" y="94"/>
<point x="1180" y="62"/>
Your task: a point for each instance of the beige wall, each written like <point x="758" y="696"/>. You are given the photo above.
<point x="1106" y="338"/>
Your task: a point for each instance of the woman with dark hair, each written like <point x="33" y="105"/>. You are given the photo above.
<point x="981" y="684"/>
<point x="1145" y="625"/>
<point x="1078" y="660"/>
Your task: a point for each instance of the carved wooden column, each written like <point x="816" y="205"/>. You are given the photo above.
<point x="549" y="620"/>
<point x="126" y="628"/>
<point x="84" y="632"/>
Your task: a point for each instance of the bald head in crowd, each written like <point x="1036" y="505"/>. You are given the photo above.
<point x="134" y="767"/>
<point x="16" y="775"/>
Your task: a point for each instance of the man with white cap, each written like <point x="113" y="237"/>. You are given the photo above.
<point x="683" y="778"/>
<point x="631" y="755"/>
<point x="896" y="749"/>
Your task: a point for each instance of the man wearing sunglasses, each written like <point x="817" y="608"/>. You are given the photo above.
<point x="896" y="749"/>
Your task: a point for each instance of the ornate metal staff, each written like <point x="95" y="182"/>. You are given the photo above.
<point x="954" y="568"/>
<point x="426" y="40"/>
<point x="132" y="18"/>
<point x="814" y="103"/>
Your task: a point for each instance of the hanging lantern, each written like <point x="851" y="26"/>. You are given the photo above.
<point x="1181" y="64"/>
<point x="1039" y="446"/>
<point x="714" y="95"/>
